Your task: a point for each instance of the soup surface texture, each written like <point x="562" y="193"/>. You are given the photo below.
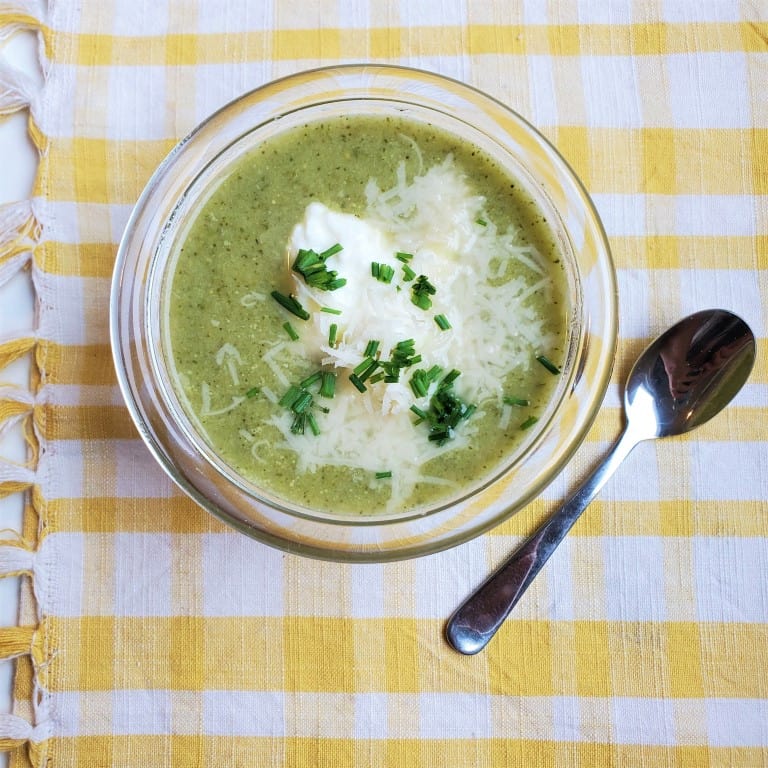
<point x="367" y="315"/>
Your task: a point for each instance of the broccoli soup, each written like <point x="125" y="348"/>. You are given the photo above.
<point x="366" y="316"/>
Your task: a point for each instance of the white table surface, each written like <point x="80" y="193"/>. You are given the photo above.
<point x="19" y="161"/>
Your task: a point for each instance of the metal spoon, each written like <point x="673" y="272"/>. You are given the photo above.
<point x="681" y="380"/>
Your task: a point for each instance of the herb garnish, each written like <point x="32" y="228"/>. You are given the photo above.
<point x="382" y="272"/>
<point x="446" y="409"/>
<point x="312" y="267"/>
<point x="548" y="364"/>
<point x="422" y="289"/>
<point x="520" y="402"/>
<point x="300" y="401"/>
<point x="290" y="303"/>
<point x="290" y="330"/>
<point x="442" y="322"/>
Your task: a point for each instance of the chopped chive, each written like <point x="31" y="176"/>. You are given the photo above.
<point x="330" y="310"/>
<point x="332" y="335"/>
<point x="404" y="257"/>
<point x="408" y="273"/>
<point x="529" y="422"/>
<point x="290" y="303"/>
<point x="449" y="378"/>
<point x="376" y="378"/>
<point x="369" y="371"/>
<point x="421" y="414"/>
<point x="442" y="322"/>
<point x="548" y="364"/>
<point x="481" y="222"/>
<point x="363" y="366"/>
<point x="290" y="397"/>
<point x="302" y="402"/>
<point x="425" y="285"/>
<point x="520" y="402"/>
<point x="290" y="330"/>
<point x="328" y="384"/>
<point x="310" y="380"/>
<point x="421" y="300"/>
<point x="252" y="392"/>
<point x="371" y="348"/>
<point x="434" y="372"/>
<point x="441" y="435"/>
<point x="383" y="475"/>
<point x="355" y="379"/>
<point x="297" y="426"/>
<point x="311" y="266"/>
<point x="382" y="272"/>
<point x="419" y="383"/>
<point x="328" y="252"/>
<point x="422" y="289"/>
<point x="313" y="424"/>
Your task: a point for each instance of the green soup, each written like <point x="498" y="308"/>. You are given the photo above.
<point x="411" y="381"/>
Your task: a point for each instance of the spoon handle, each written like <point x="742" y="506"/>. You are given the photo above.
<point x="478" y="618"/>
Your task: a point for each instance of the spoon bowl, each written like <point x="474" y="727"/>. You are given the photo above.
<point x="681" y="380"/>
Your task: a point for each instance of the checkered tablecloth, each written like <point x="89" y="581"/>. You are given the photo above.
<point x="151" y="635"/>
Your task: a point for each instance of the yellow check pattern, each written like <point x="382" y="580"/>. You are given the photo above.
<point x="152" y="635"/>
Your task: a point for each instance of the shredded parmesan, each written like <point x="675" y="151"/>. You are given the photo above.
<point x="493" y="329"/>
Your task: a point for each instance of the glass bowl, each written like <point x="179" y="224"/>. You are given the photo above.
<point x="205" y="157"/>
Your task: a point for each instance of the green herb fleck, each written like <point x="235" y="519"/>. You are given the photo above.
<point x="332" y="251"/>
<point x="290" y="330"/>
<point x="442" y="322"/>
<point x="290" y="303"/>
<point x="548" y="364"/>
<point x="382" y="272"/>
<point x="529" y="422"/>
<point x="384" y="475"/>
<point x="252" y="392"/>
<point x="313" y="424"/>
<point x="519" y="402"/>
<point x="310" y="380"/>
<point x="312" y="267"/>
<point x="328" y="384"/>
<point x="421" y="291"/>
<point x="446" y="409"/>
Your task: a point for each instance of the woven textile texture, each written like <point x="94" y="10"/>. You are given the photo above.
<point x="150" y="634"/>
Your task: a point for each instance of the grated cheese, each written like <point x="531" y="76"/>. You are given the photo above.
<point x="493" y="329"/>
